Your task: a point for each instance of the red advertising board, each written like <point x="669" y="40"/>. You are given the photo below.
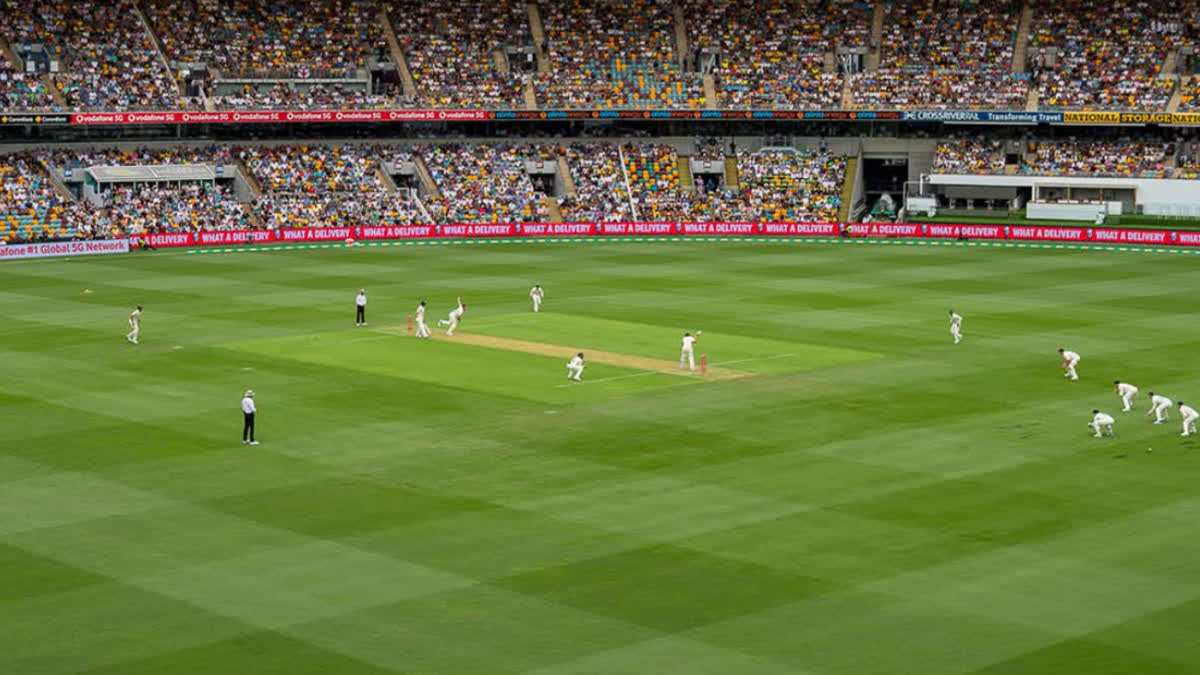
<point x="802" y="229"/>
<point x="965" y="231"/>
<point x="731" y="229"/>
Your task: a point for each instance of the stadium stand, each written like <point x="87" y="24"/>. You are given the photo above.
<point x="969" y="156"/>
<point x="315" y="185"/>
<point x="772" y="54"/>
<point x="945" y="54"/>
<point x="1105" y="56"/>
<point x="614" y="54"/>
<point x="1125" y="159"/>
<point x="30" y="208"/>
<point x="451" y="50"/>
<point x="22" y="91"/>
<point x="601" y="191"/>
<point x="483" y="183"/>
<point x="105" y="56"/>
<point x="269" y="38"/>
<point x="783" y="185"/>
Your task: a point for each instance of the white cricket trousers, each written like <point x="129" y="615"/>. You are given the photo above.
<point x="422" y="329"/>
<point x="956" y="332"/>
<point x="1160" y="410"/>
<point x="132" y="336"/>
<point x="687" y="356"/>
<point x="1127" y="399"/>
<point x="537" y="302"/>
<point x="1071" y="369"/>
<point x="451" y="322"/>
<point x="1189" y="425"/>
<point x="574" y="372"/>
<point x="1101" y="425"/>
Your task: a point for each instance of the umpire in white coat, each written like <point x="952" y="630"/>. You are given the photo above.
<point x="248" y="411"/>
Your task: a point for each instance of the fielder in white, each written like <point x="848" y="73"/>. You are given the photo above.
<point x="1189" y="418"/>
<point x="537" y="294"/>
<point x="687" y="353"/>
<point x="1160" y="407"/>
<point x="955" y="326"/>
<point x="454" y="318"/>
<point x="419" y="316"/>
<point x="575" y="368"/>
<point x="1070" y="360"/>
<point x="135" y="325"/>
<point x="1101" y="421"/>
<point x="1127" y="392"/>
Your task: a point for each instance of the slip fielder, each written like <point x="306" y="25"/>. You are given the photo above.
<point x="1101" y="421"/>
<point x="1189" y="418"/>
<point x="1127" y="392"/>
<point x="1070" y="360"/>
<point x="1160" y="407"/>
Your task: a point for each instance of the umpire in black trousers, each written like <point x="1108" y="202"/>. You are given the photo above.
<point x="248" y="411"/>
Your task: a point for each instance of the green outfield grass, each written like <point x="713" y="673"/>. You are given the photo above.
<point x="867" y="499"/>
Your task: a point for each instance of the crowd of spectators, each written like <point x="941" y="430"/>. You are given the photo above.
<point x="310" y="97"/>
<point x="317" y="185"/>
<point x="1122" y="159"/>
<point x="483" y="183"/>
<point x="772" y="53"/>
<point x="614" y="54"/>
<point x="785" y="185"/>
<point x="945" y="54"/>
<point x="22" y="91"/>
<point x="62" y="158"/>
<point x="1189" y="96"/>
<point x="600" y="189"/>
<point x="30" y="208"/>
<point x="269" y="38"/>
<point x="187" y="207"/>
<point x="969" y="156"/>
<point x="105" y="60"/>
<point x="653" y="172"/>
<point x="450" y="49"/>
<point x="1108" y="56"/>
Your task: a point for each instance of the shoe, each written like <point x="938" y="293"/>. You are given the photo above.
<point x="245" y="442"/>
<point x="1097" y="436"/>
<point x="253" y="442"/>
<point x="1158" y="421"/>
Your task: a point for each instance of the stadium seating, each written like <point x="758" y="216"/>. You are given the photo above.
<point x="483" y="184"/>
<point x="1109" y="55"/>
<point x="943" y="54"/>
<point x="269" y="38"/>
<point x="105" y="59"/>
<point x="1124" y="159"/>
<point x="450" y="50"/>
<point x="969" y="156"/>
<point x="29" y="206"/>
<point x="601" y="191"/>
<point x="772" y="54"/>
<point x="314" y="186"/>
<point x="785" y="185"/>
<point x="614" y="54"/>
